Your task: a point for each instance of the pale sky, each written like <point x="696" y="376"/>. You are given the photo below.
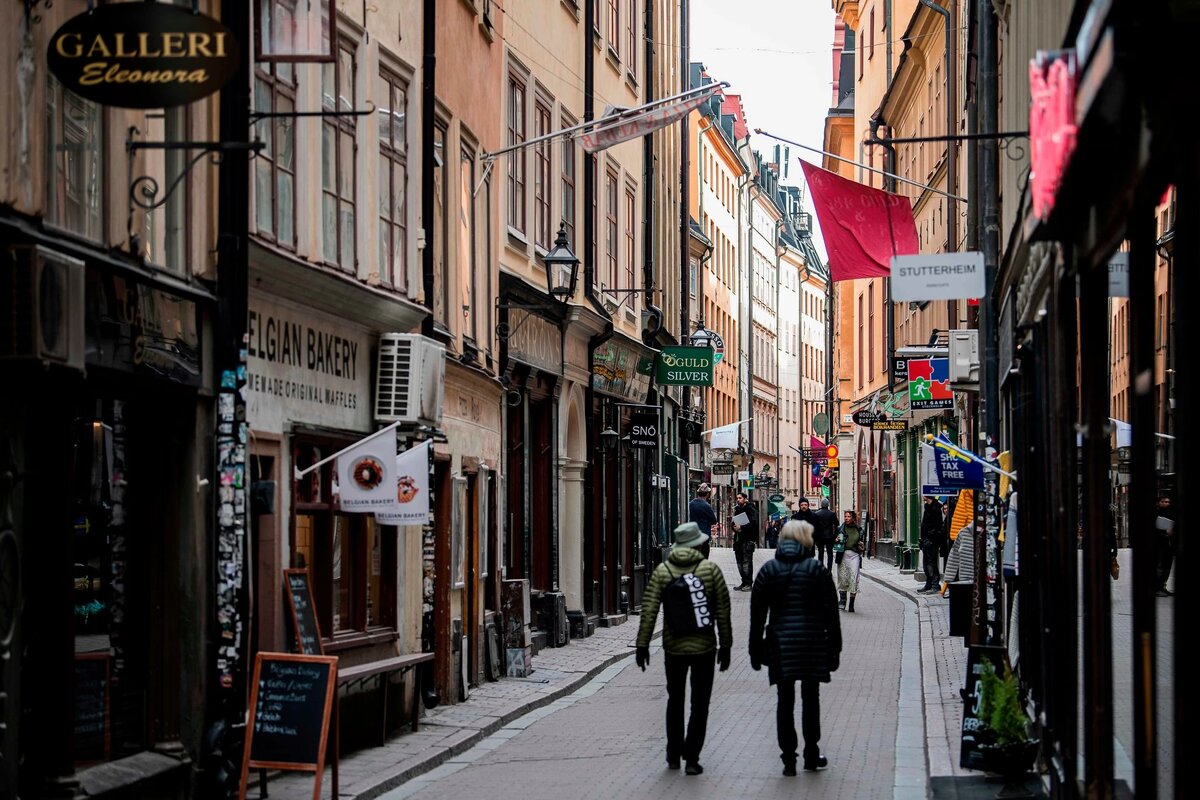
<point x="777" y="55"/>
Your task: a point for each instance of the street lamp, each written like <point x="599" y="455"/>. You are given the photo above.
<point x="701" y="337"/>
<point x="609" y="439"/>
<point x="562" y="268"/>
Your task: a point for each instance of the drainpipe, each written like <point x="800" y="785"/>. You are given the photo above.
<point x="685" y="310"/>
<point x="887" y="36"/>
<point x="648" y="177"/>
<point x="428" y="165"/>
<point x="951" y="130"/>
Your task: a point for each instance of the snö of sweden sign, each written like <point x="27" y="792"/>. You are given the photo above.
<point x="684" y="366"/>
<point x="143" y="55"/>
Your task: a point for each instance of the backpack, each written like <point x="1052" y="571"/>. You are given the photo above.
<point x="686" y="609"/>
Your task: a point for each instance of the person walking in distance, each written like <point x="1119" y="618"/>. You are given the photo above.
<point x="1164" y="531"/>
<point x="848" y="549"/>
<point x="825" y="528"/>
<point x="794" y="593"/>
<point x="931" y="544"/>
<point x="745" y="539"/>
<point x="700" y="511"/>
<point x="697" y="635"/>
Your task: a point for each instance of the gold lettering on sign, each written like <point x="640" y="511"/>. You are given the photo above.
<point x="96" y="73"/>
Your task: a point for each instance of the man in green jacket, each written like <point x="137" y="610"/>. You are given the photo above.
<point x="696" y="636"/>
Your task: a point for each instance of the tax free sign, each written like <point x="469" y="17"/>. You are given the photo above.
<point x="684" y="366"/>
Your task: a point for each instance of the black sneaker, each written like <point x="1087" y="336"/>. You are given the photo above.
<point x="789" y="769"/>
<point x="694" y="768"/>
<point x="820" y="762"/>
<point x="672" y="763"/>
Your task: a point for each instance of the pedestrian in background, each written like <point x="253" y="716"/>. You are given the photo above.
<point x="773" y="532"/>
<point x="795" y="631"/>
<point x="701" y="512"/>
<point x="931" y="543"/>
<point x="848" y="547"/>
<point x="1164" y="535"/>
<point x="745" y="539"/>
<point x="805" y="514"/>
<point x="697" y="635"/>
<point x="824" y="530"/>
<point x="960" y="564"/>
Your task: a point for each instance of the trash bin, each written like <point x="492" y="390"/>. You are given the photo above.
<point x="960" y="608"/>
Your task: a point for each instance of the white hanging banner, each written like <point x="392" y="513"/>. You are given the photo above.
<point x="410" y="501"/>
<point x="622" y="124"/>
<point x="366" y="475"/>
<point x="938" y="276"/>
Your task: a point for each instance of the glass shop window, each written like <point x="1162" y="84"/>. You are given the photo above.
<point x="352" y="559"/>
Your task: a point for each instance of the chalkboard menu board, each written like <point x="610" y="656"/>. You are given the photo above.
<point x="291" y="697"/>
<point x="304" y="613"/>
<point x="91" y="707"/>
<point x="969" y="756"/>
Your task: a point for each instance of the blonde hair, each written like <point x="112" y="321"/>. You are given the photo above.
<point x="798" y="531"/>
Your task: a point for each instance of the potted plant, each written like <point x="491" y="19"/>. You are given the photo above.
<point x="1006" y="743"/>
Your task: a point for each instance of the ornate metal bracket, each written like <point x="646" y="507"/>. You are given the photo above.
<point x="144" y="190"/>
<point x="31" y="9"/>
<point x="257" y="116"/>
<point x="1006" y="141"/>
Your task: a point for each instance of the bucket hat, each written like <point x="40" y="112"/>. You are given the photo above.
<point x="688" y="535"/>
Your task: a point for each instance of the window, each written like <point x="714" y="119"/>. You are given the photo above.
<point x="352" y="559"/>
<point x="693" y="276"/>
<point x="614" y="26"/>
<point x="468" y="288"/>
<point x="612" y="241"/>
<point x="860" y="341"/>
<point x="861" y="59"/>
<point x="568" y="182"/>
<point x="631" y="38"/>
<point x="164" y="234"/>
<point x="338" y="151"/>
<point x="516" y="159"/>
<point x="630" y="227"/>
<point x="541" y="177"/>
<point x="483" y="247"/>
<point x="441" y="200"/>
<point x="393" y="182"/>
<point x="870" y="327"/>
<point x="275" y="167"/>
<point x="871" y="35"/>
<point x="75" y="187"/>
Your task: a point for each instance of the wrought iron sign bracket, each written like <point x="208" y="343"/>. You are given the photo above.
<point x="258" y="116"/>
<point x="144" y="190"/>
<point x="1007" y="141"/>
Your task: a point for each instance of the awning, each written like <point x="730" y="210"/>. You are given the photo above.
<point x="777" y="510"/>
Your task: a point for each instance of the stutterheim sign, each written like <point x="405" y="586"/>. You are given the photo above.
<point x="143" y="55"/>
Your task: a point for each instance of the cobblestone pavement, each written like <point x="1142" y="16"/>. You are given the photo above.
<point x="588" y="723"/>
<point x="606" y="740"/>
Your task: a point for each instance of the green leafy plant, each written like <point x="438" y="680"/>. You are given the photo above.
<point x="1000" y="707"/>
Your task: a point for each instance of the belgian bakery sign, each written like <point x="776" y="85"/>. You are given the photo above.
<point x="143" y="55"/>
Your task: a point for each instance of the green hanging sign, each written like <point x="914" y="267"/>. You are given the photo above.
<point x="684" y="366"/>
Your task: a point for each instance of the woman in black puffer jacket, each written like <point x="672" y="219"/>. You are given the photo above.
<point x="803" y="642"/>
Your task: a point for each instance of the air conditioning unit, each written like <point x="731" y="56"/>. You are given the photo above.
<point x="410" y="379"/>
<point x="41" y="306"/>
<point x="964" y="357"/>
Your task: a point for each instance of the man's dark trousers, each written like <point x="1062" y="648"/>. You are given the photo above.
<point x="929" y="557"/>
<point x="702" y="668"/>
<point x="745" y="562"/>
<point x="810" y="719"/>
<point x="825" y="553"/>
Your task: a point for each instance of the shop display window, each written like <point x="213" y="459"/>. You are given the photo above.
<point x="352" y="558"/>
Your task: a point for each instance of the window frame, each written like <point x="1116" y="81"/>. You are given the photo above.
<point x="439" y="228"/>
<point x="568" y="179"/>
<point x="630" y="245"/>
<point x="91" y="224"/>
<point x="393" y="158"/>
<point x="325" y="511"/>
<point x="277" y="88"/>
<point x="517" y="133"/>
<point x="342" y="129"/>
<point x="543" y="192"/>
<point x="612" y="222"/>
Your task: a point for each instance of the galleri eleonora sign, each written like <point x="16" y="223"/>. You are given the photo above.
<point x="937" y="276"/>
<point x="143" y="55"/>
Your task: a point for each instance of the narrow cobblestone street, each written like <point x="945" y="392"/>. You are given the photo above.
<point x="606" y="739"/>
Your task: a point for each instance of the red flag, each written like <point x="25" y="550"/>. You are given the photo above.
<point x="863" y="227"/>
<point x="813" y="441"/>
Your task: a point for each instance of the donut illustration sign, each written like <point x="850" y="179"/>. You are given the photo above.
<point x="411" y="498"/>
<point x="366" y="473"/>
